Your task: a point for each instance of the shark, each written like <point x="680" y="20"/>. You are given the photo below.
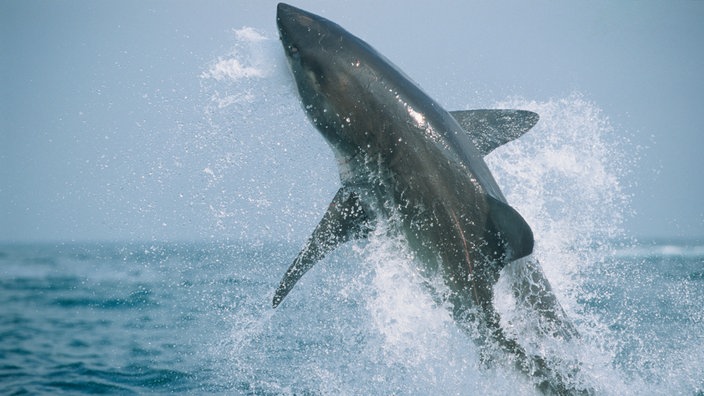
<point x="404" y="159"/>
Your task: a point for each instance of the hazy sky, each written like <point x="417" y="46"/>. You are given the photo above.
<point x="99" y="96"/>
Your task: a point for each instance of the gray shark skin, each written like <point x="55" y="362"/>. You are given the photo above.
<point x="405" y="159"/>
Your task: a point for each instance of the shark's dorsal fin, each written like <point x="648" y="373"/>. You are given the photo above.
<point x="511" y="228"/>
<point x="490" y="129"/>
<point x="344" y="220"/>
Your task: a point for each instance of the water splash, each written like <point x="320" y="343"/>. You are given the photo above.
<point x="417" y="336"/>
<point x="363" y="321"/>
<point x="254" y="139"/>
<point x="565" y="177"/>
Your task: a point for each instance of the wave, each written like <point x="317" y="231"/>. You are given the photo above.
<point x="672" y="249"/>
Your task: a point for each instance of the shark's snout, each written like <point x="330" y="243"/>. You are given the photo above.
<point x="284" y="10"/>
<point x="290" y="19"/>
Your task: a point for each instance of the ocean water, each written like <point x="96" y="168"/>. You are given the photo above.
<point x="196" y="318"/>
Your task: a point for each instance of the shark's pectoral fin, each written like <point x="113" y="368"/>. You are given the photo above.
<point x="344" y="220"/>
<point x="490" y="129"/>
<point x="511" y="228"/>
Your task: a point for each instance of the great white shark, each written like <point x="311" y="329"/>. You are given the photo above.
<point x="402" y="158"/>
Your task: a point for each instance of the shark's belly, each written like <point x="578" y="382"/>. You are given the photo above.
<point x="442" y="212"/>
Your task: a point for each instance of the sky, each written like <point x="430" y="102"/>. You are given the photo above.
<point x="107" y="128"/>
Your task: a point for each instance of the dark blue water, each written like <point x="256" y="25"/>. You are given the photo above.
<point x="196" y="318"/>
<point x="119" y="318"/>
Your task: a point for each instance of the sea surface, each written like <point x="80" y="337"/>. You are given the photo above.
<point x="196" y="318"/>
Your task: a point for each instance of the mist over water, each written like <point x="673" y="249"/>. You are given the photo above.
<point x="361" y="321"/>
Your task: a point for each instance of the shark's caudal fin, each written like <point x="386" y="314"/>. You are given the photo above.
<point x="344" y="220"/>
<point x="490" y="129"/>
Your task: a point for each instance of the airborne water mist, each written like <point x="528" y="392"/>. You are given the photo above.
<point x="362" y="320"/>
